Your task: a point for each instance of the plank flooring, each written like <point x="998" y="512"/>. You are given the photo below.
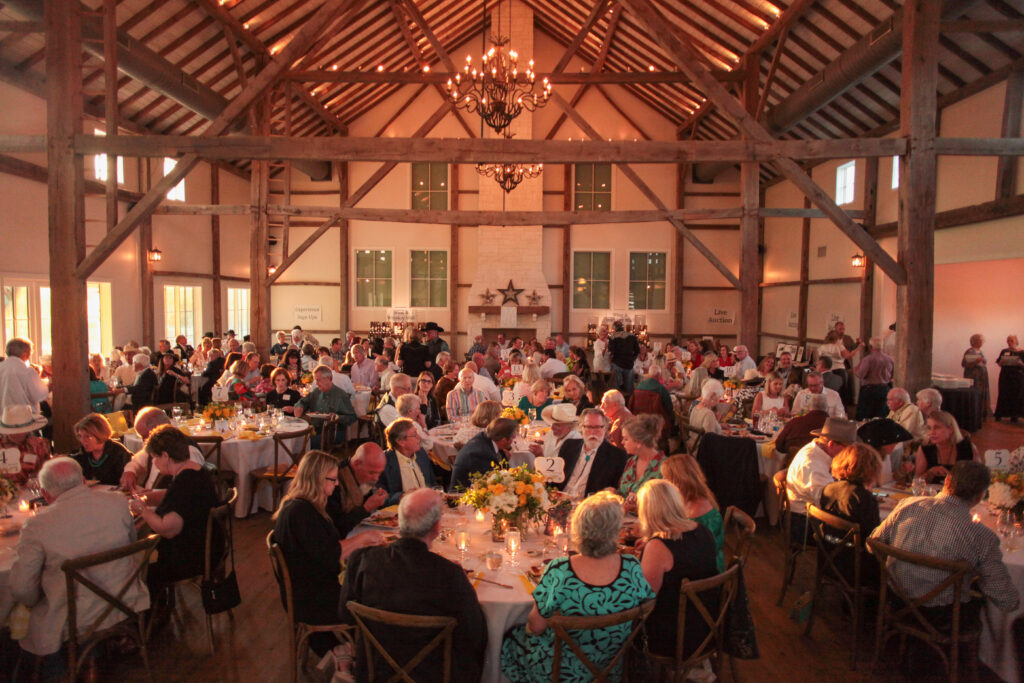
<point x="253" y="646"/>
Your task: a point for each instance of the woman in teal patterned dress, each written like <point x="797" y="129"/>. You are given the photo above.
<point x="640" y="439"/>
<point x="595" y="582"/>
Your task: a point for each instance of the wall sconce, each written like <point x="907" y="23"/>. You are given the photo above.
<point x="154" y="255"/>
<point x="857" y="260"/>
<point x="483" y="316"/>
<point x="534" y="317"/>
<point x="271" y="270"/>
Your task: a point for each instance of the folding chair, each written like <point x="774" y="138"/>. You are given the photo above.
<point x="900" y="614"/>
<point x="445" y="627"/>
<point x="133" y="624"/>
<point x="690" y="592"/>
<point x="282" y="470"/>
<point x="562" y="625"/>
<point x="830" y="547"/>
<point x="739" y="534"/>
<point x="298" y="632"/>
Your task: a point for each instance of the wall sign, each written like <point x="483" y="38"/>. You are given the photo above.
<point x="308" y="313"/>
<point x="721" y="316"/>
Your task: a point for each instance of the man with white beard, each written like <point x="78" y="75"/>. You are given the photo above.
<point x="591" y="463"/>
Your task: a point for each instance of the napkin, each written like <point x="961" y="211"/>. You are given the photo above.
<point x="527" y="584"/>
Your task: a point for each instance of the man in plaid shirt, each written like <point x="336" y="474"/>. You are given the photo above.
<point x="942" y="527"/>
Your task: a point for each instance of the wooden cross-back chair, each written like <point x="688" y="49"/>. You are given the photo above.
<point x="562" y="625"/>
<point x="690" y="593"/>
<point x="298" y="632"/>
<point x="739" y="534"/>
<point x="286" y="460"/>
<point x="212" y="448"/>
<point x="791" y="549"/>
<point x="133" y="624"/>
<point x="900" y="614"/>
<point x="329" y="433"/>
<point x="828" y="569"/>
<point x="443" y="638"/>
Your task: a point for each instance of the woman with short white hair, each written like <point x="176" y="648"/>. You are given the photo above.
<point x="703" y="414"/>
<point x="408" y="405"/>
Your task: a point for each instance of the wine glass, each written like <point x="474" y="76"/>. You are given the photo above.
<point x="462" y="543"/>
<point x="513" y="542"/>
<point x="918" y="487"/>
<point x="176" y="414"/>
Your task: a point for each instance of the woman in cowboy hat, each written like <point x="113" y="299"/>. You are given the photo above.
<point x="16" y="426"/>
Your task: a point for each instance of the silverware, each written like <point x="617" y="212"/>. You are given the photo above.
<point x="477" y="577"/>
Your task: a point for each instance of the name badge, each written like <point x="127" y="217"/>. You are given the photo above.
<point x="286" y="397"/>
<point x="553" y="469"/>
<point x="10" y="461"/>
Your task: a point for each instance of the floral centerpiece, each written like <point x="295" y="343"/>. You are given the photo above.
<point x="515" y="414"/>
<point x="1006" y="490"/>
<point x="219" y="411"/>
<point x="306" y="378"/>
<point x="570" y="362"/>
<point x="514" y="496"/>
<point x="732" y="383"/>
<point x="8" y="492"/>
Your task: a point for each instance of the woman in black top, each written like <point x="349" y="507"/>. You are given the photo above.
<point x="292" y="363"/>
<point x="282" y="396"/>
<point x="415" y="357"/>
<point x="181" y="517"/>
<point x="854" y="469"/>
<point x="676" y="548"/>
<point x="101" y="458"/>
<point x="945" y="447"/>
<point x="312" y="548"/>
<point x="174" y="381"/>
<point x="428" y="406"/>
<point x="581" y="367"/>
<point x="1010" y="402"/>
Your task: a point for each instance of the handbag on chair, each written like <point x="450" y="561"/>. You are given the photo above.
<point x="220" y="595"/>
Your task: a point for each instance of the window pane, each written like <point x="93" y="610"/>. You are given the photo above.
<point x="420" y="264"/>
<point x="584" y="201"/>
<point x="601" y="296"/>
<point x="656" y="267"/>
<point x="638" y="295"/>
<point x="439" y="177"/>
<point x="602" y="265"/>
<point x="419" y="293"/>
<point x="602" y="177"/>
<point x="439" y="264"/>
<point x="637" y="266"/>
<point x="44" y="341"/>
<point x="581" y="265"/>
<point x="8" y="313"/>
<point x="383" y="264"/>
<point x="383" y="292"/>
<point x="581" y="296"/>
<point x="656" y="295"/>
<point x="364" y="292"/>
<point x="420" y="176"/>
<point x="602" y="201"/>
<point x="364" y="264"/>
<point x="584" y="177"/>
<point x="439" y="201"/>
<point x="439" y="293"/>
<point x="420" y="200"/>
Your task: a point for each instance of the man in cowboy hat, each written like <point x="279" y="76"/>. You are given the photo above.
<point x="21" y="452"/>
<point x="20" y="383"/>
<point x="434" y="343"/>
<point x="562" y="418"/>
<point x="811" y="469"/>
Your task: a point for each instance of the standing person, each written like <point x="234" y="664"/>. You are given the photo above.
<point x="976" y="368"/>
<point x="434" y="343"/>
<point x="20" y="383"/>
<point x="875" y="372"/>
<point x="602" y="365"/>
<point x="414" y="357"/>
<point x="173" y="382"/>
<point x="623" y="350"/>
<point x="1011" y="381"/>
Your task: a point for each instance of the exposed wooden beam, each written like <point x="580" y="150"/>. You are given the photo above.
<point x="750" y="267"/>
<point x="805" y="275"/>
<point x="685" y="56"/>
<point x="317" y="23"/>
<point x="915" y="296"/>
<point x="867" y="284"/>
<point x="463" y="150"/>
<point x="259" y="234"/>
<point x="965" y="215"/>
<point x="28" y="170"/>
<point x="974" y="147"/>
<point x="22" y="26"/>
<point x="581" y="35"/>
<point x="218" y="299"/>
<point x="66" y="219"/>
<point x="781" y="25"/>
<point x="982" y="26"/>
<point x="110" y="112"/>
<point x="556" y="78"/>
<point x="1007" y="166"/>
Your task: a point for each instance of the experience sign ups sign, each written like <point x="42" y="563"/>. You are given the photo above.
<point x="308" y="313"/>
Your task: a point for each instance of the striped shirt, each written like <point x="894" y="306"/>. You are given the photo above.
<point x="459" y="403"/>
<point x="942" y="527"/>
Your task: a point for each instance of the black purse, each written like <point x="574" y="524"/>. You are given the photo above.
<point x="221" y="594"/>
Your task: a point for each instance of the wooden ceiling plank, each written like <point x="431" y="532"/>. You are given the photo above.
<point x="684" y="55"/>
<point x="581" y="35"/>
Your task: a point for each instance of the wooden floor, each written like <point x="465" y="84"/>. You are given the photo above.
<point x="253" y="647"/>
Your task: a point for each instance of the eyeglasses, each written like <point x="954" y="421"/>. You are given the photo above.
<point x="593" y="426"/>
<point x="333" y="480"/>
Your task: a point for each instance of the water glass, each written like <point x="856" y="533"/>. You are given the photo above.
<point x="493" y="561"/>
<point x="513" y="542"/>
<point x="176" y="414"/>
<point x="918" y="487"/>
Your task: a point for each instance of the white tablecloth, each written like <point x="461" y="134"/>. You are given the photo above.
<point x="240" y="457"/>
<point x="10" y="530"/>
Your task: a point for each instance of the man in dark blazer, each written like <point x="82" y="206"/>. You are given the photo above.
<point x="489" y="446"/>
<point x="591" y="463"/>
<point x="407" y="466"/>
<point x="214" y="369"/>
<point x="405" y="576"/>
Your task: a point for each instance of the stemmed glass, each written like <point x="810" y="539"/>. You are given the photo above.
<point x="513" y="542"/>
<point x="462" y="543"/>
<point x="176" y="414"/>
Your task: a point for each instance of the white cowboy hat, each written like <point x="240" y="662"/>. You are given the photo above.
<point x="561" y="413"/>
<point x="18" y="419"/>
<point x="751" y="375"/>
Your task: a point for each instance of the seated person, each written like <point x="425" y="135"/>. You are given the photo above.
<point x="326" y="398"/>
<point x="282" y="396"/>
<point x="901" y="410"/>
<point x="408" y="406"/>
<point x="143" y="388"/>
<point x="796" y="433"/>
<point x="16" y="426"/>
<point x="539" y="399"/>
<point x="591" y="463"/>
<point x="379" y="578"/>
<point x="562" y="418"/>
<point x="482" y="416"/>
<point x="463" y="399"/>
<point x="76" y="521"/>
<point x="140" y="471"/>
<point x="576" y="393"/>
<point x="816" y="385"/>
<point x="489" y="446"/>
<point x="613" y="405"/>
<point x="101" y="458"/>
<point x="704" y="414"/>
<point x="597" y="581"/>
<point x="356" y="495"/>
<point x="856" y="469"/>
<point x="832" y="380"/>
<point x="399" y="385"/>
<point x="811" y="470"/>
<point x="180" y="518"/>
<point x="699" y="503"/>
<point x="407" y="466"/>
<point x="942" y="527"/>
<point x="676" y="548"/>
<point x="552" y="366"/>
<point x="946" y="446"/>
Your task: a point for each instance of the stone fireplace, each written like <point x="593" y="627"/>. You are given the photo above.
<point x="513" y="253"/>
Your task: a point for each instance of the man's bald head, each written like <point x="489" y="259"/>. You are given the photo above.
<point x="148" y="419"/>
<point x="368" y="463"/>
<point x="419" y="514"/>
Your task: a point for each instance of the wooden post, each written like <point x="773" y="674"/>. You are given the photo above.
<point x="66" y="218"/>
<point x="259" y="311"/>
<point x="110" y="76"/>
<point x="867" y="281"/>
<point x="1006" y="169"/>
<point x="916" y="238"/>
<point x="805" y="275"/>
<point x="567" y="284"/>
<point x="218" y="295"/>
<point x="750" y="272"/>
<point x="341" y="171"/>
<point x="146" y="277"/>
<point x="453" y="259"/>
<point x="682" y="171"/>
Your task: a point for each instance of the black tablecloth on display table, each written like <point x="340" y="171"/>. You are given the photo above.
<point x="965" y="405"/>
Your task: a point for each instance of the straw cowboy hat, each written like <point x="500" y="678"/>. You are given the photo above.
<point x="560" y="413"/>
<point x="18" y="419"/>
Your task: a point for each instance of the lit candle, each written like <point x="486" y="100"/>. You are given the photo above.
<point x="975" y="517"/>
<point x="479" y="515"/>
<point x="23" y="506"/>
<point x="462" y="540"/>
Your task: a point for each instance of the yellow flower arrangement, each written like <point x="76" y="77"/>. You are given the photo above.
<point x="517" y="494"/>
<point x="219" y="411"/>
<point x="516" y="415"/>
<point x="1006" y="490"/>
<point x="306" y="378"/>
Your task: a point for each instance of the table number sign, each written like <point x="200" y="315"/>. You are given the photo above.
<point x="10" y="461"/>
<point x="997" y="459"/>
<point x="553" y="469"/>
